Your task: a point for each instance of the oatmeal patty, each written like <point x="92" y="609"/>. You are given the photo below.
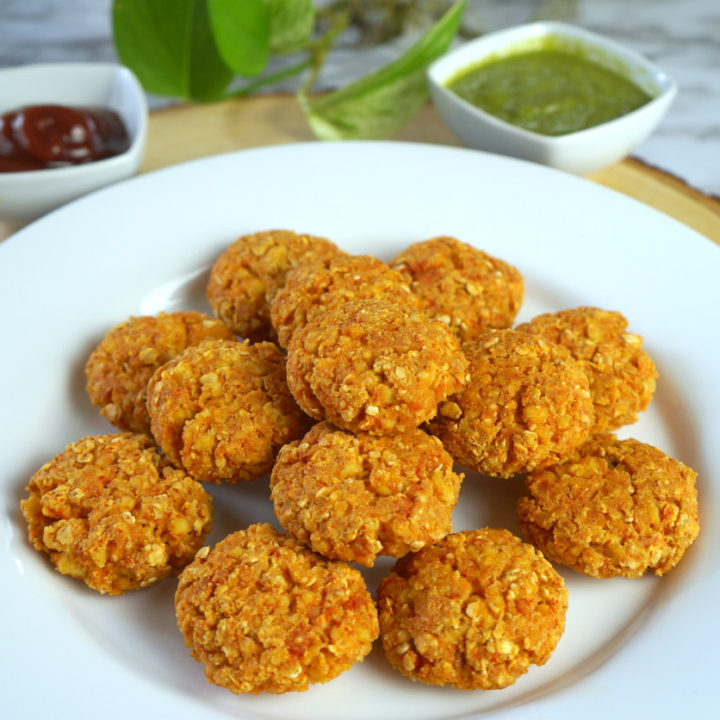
<point x="246" y="276"/>
<point x="375" y="367"/>
<point x="527" y="405"/>
<point x="111" y="511"/>
<point x="265" y="614"/>
<point x="462" y="286"/>
<point x="313" y="288"/>
<point x="622" y="375"/>
<point x="119" y="368"/>
<point x="222" y="410"/>
<point x="616" y="507"/>
<point x="354" y="497"/>
<point x="474" y="610"/>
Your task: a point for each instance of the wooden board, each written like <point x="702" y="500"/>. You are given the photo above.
<point x="187" y="132"/>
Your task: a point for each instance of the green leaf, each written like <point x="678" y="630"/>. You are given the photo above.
<point x="380" y="103"/>
<point x="242" y="33"/>
<point x="170" y="47"/>
<point x="151" y="39"/>
<point x="291" y="24"/>
<point x="209" y="75"/>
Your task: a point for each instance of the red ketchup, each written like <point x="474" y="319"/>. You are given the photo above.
<point x="49" y="136"/>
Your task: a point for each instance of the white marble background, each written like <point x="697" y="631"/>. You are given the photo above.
<point x="682" y="36"/>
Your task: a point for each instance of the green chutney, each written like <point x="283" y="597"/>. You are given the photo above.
<point x="548" y="91"/>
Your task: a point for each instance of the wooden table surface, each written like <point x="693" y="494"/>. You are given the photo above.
<point x="191" y="131"/>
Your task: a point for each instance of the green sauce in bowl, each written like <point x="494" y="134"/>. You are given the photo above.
<point x="548" y="90"/>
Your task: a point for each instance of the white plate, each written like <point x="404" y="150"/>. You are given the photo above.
<point x="642" y="647"/>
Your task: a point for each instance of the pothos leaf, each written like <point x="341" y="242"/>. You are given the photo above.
<point x="151" y="39"/>
<point x="242" y="33"/>
<point x="170" y="47"/>
<point x="209" y="75"/>
<point x="291" y="24"/>
<point x="381" y="102"/>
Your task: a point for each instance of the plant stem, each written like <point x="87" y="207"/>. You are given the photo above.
<point x="317" y="50"/>
<point x="320" y="47"/>
<point x="275" y="77"/>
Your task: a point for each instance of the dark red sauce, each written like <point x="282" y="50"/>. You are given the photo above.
<point x="49" y="136"/>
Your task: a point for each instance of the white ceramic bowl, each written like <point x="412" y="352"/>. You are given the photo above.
<point x="579" y="152"/>
<point x="26" y="195"/>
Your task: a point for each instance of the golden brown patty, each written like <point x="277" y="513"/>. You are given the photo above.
<point x="354" y="497"/>
<point x="222" y="410"/>
<point x="622" y="375"/>
<point x="474" y="610"/>
<point x="527" y="405"/>
<point x="464" y="287"/>
<point x="111" y="511"/>
<point x="616" y="507"/>
<point x="313" y="288"/>
<point x="264" y="614"/>
<point x="375" y="367"/>
<point x="119" y="368"/>
<point x="246" y="276"/>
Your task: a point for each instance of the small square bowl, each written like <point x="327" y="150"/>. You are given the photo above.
<point x="580" y="152"/>
<point x="27" y="195"/>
